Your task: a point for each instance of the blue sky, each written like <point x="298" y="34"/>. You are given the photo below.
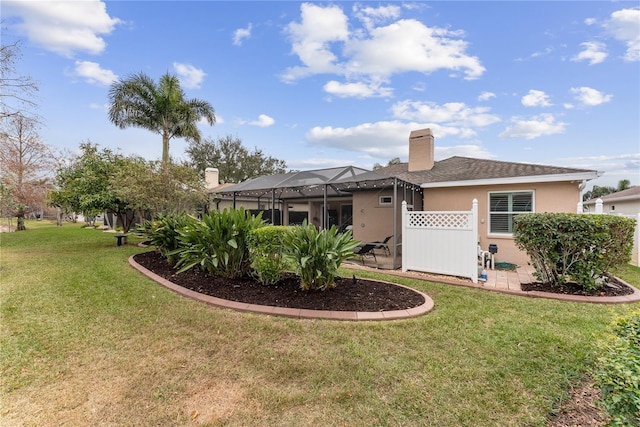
<point x="324" y="84"/>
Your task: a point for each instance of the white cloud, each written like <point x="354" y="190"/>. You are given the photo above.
<point x="385" y="140"/>
<point x="451" y="114"/>
<point x="190" y="76"/>
<point x="240" y="34"/>
<point x="370" y="16"/>
<point x="623" y="25"/>
<point x="535" y="127"/>
<point x="536" y="98"/>
<point x="325" y="43"/>
<point x="590" y="97"/>
<point x="594" y="52"/>
<point x="590" y="21"/>
<point x="63" y="27"/>
<point x="408" y="45"/>
<point x="357" y="90"/>
<point x="96" y="106"/>
<point x="92" y="73"/>
<point x="616" y="167"/>
<point x="311" y="40"/>
<point x="318" y="163"/>
<point x="485" y="96"/>
<point x="263" y="121"/>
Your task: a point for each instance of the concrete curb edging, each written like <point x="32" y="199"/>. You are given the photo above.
<point x="623" y="299"/>
<point x="296" y="313"/>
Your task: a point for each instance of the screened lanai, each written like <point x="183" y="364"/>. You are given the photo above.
<point x="321" y="186"/>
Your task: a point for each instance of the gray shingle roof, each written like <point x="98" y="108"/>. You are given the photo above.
<point x="465" y="169"/>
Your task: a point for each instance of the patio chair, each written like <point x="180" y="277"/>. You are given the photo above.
<point x="365" y="250"/>
<point x="384" y="245"/>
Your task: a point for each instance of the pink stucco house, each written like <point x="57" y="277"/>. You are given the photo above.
<point x="370" y="201"/>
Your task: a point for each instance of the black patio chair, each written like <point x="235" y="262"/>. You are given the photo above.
<point x="384" y="245"/>
<point x="365" y="250"/>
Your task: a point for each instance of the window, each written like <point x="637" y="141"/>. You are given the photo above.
<point x="504" y="206"/>
<point x="384" y="200"/>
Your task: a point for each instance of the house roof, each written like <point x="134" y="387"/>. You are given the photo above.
<point x="629" y="194"/>
<point x="459" y="171"/>
<point x="311" y="183"/>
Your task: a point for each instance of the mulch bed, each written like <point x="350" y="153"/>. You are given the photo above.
<point x="612" y="289"/>
<point x="350" y="294"/>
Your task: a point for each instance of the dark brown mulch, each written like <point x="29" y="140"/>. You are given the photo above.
<point x="350" y="294"/>
<point x="612" y="289"/>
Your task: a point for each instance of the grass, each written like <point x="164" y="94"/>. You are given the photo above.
<point x="86" y="340"/>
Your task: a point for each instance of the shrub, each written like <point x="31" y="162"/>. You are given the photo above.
<point x="163" y="232"/>
<point x="582" y="248"/>
<point x="317" y="255"/>
<point x="617" y="371"/>
<point x="218" y="243"/>
<point x="265" y="253"/>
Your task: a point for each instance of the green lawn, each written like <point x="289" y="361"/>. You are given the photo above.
<point x="85" y="340"/>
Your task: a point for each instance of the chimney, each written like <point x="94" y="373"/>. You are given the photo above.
<point x="420" y="150"/>
<point x="211" y="178"/>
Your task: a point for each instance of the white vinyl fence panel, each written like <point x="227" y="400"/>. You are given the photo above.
<point x="441" y="242"/>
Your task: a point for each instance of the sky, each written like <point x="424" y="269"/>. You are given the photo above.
<point x="328" y="84"/>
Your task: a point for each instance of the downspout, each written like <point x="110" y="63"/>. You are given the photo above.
<point x="234" y="200"/>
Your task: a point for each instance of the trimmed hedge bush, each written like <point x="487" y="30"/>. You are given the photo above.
<point x="317" y="255"/>
<point x="265" y="252"/>
<point x="572" y="247"/>
<point x="617" y="371"/>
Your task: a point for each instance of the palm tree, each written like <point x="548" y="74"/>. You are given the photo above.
<point x="138" y="101"/>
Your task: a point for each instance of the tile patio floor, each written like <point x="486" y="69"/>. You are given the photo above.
<point x="496" y="279"/>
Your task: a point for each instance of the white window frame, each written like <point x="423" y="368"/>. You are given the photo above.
<point x="385" y="203"/>
<point x="508" y="212"/>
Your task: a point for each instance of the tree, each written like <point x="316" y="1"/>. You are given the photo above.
<point x="16" y="90"/>
<point x="394" y="161"/>
<point x="152" y="188"/>
<point x="234" y="162"/>
<point x="137" y="101"/>
<point x="26" y="163"/>
<point x="86" y="185"/>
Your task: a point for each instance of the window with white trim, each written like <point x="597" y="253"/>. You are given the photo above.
<point x="503" y="207"/>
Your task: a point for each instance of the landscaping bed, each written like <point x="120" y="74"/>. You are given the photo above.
<point x="350" y="294"/>
<point x="614" y="288"/>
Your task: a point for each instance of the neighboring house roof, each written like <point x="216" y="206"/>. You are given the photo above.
<point x="466" y="171"/>
<point x="630" y="194"/>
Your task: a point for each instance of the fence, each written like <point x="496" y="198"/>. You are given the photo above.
<point x="442" y="242"/>
<point x="636" y="234"/>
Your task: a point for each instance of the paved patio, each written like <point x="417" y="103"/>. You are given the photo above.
<point x="496" y="279"/>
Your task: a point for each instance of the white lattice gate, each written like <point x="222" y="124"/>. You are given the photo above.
<point x="442" y="242"/>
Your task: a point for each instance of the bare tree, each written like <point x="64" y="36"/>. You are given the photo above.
<point x="16" y="90"/>
<point x="25" y="165"/>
